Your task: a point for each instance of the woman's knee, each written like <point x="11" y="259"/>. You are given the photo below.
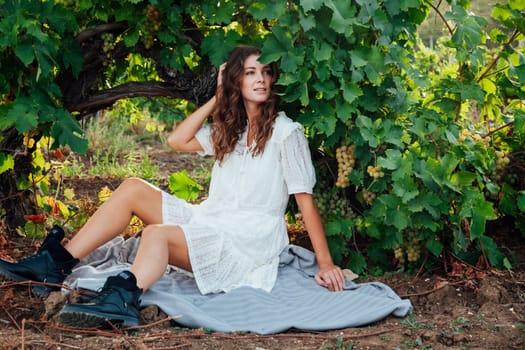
<point x="134" y="184"/>
<point x="138" y="190"/>
<point x="153" y="231"/>
<point x="166" y="233"/>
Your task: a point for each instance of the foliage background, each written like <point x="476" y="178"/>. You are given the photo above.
<point x="433" y="135"/>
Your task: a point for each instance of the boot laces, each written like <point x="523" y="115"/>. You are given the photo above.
<point x="106" y="291"/>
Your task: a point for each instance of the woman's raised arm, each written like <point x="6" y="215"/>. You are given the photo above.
<point x="182" y="138"/>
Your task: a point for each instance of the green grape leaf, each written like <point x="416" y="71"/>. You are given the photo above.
<point x="519" y="72"/>
<point x="521" y="201"/>
<point x="325" y="120"/>
<point x="478" y="209"/>
<point x="262" y="10"/>
<point x="398" y="217"/>
<point x="492" y="252"/>
<point x="394" y="135"/>
<point x="507" y="264"/>
<point x="306" y="22"/>
<point x="471" y="91"/>
<point x="72" y="58"/>
<point x="368" y="9"/>
<point x="393" y="7"/>
<point x="344" y="111"/>
<point x="46" y="62"/>
<point x="434" y="246"/>
<point x="375" y="67"/>
<point x="343" y="16"/>
<point x="429" y="201"/>
<point x="501" y="13"/>
<point x="5" y="122"/>
<point x="183" y="186"/>
<point x="291" y="61"/>
<point x="357" y="262"/>
<point x="351" y="91"/>
<point x="358" y="57"/>
<point x="462" y="178"/>
<point x="218" y="53"/>
<point x="323" y="51"/>
<point x="6" y="162"/>
<point x="67" y="131"/>
<point x="309" y="5"/>
<point x="32" y="27"/>
<point x="23" y="115"/>
<point x="25" y="52"/>
<point x="468" y="33"/>
<point x="132" y="38"/>
<point x="61" y="19"/>
<point x="368" y="130"/>
<point x="517" y="4"/>
<point x="488" y="85"/>
<point x="219" y="12"/>
<point x="276" y="46"/>
<point x="406" y="189"/>
<point x="519" y="121"/>
<point x="392" y="160"/>
<point x="337" y="227"/>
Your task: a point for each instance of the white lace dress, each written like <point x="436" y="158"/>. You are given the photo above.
<point x="235" y="236"/>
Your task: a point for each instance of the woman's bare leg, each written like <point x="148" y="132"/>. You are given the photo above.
<point x="160" y="245"/>
<point x="133" y="197"/>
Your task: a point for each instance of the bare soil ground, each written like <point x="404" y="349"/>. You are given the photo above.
<point x="468" y="308"/>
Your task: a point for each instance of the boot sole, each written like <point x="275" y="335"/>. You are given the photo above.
<point x="95" y="320"/>
<point x="39" y="290"/>
<point x="9" y="276"/>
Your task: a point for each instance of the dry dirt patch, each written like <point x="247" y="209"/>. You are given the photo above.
<point x="447" y="315"/>
<point x="477" y="310"/>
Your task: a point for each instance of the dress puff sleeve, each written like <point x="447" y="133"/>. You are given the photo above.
<point x="203" y="135"/>
<point x="296" y="160"/>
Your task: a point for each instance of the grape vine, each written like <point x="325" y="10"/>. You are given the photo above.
<point x="425" y="138"/>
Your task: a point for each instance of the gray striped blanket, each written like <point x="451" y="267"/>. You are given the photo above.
<point x="296" y="301"/>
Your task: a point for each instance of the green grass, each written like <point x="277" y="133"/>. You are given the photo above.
<point x="131" y="164"/>
<point x="115" y="150"/>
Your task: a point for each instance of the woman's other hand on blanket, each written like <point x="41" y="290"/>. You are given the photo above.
<point x="331" y="277"/>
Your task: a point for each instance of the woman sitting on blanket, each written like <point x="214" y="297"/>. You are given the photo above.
<point x="231" y="239"/>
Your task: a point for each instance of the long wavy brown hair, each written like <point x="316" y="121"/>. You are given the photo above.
<point x="229" y="117"/>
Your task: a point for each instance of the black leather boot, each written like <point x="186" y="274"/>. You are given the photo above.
<point x="117" y="303"/>
<point x="51" y="264"/>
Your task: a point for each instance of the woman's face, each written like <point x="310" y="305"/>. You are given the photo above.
<point x="256" y="81"/>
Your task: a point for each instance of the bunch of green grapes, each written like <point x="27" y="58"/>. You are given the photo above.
<point x="502" y="161"/>
<point x="399" y="254"/>
<point x="375" y="171"/>
<point x="411" y="249"/>
<point x="332" y="204"/>
<point x="474" y="136"/>
<point x="368" y="196"/>
<point x="345" y="162"/>
<point x="153" y="23"/>
<point x="108" y="46"/>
